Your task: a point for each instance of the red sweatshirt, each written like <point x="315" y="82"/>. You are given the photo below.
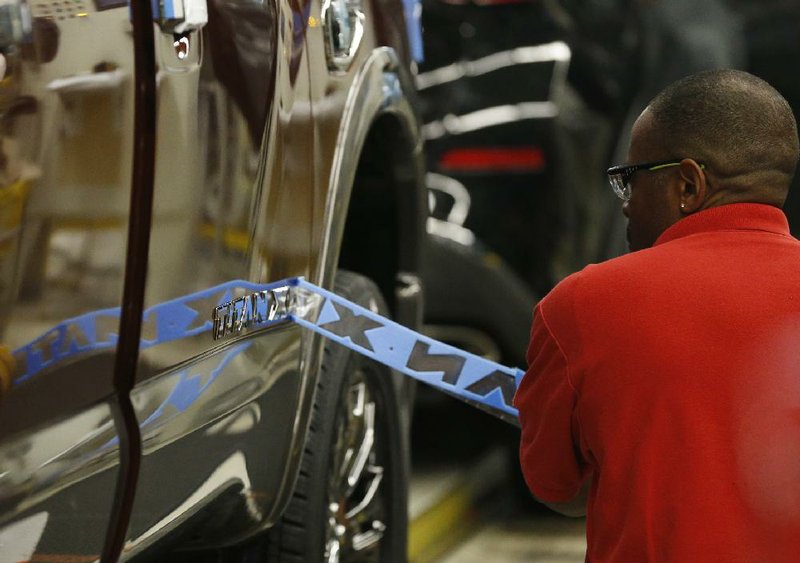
<point x="672" y="375"/>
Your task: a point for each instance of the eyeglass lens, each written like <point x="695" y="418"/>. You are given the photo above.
<point x="621" y="185"/>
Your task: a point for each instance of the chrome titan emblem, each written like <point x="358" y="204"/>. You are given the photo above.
<point x="250" y="310"/>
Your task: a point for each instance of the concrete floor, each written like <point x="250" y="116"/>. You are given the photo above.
<point x="468" y="514"/>
<point x="467" y="501"/>
<point x="524" y="538"/>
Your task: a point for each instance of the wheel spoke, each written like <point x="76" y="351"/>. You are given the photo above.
<point x="372" y="489"/>
<point x="332" y="551"/>
<point x="365" y="448"/>
<point x="369" y="539"/>
<point x="356" y="498"/>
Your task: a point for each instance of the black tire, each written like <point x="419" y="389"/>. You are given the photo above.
<point x="311" y="529"/>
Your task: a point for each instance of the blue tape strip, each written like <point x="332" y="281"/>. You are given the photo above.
<point x="481" y="382"/>
<point x="450" y="369"/>
<point x="179" y="318"/>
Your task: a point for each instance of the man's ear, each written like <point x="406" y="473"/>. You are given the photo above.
<point x="694" y="188"/>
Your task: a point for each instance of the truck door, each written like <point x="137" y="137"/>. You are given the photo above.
<point x="66" y="154"/>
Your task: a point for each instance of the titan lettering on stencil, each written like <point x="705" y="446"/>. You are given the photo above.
<point x="452" y="366"/>
<point x="250" y="310"/>
<point x="351" y="325"/>
<point x="420" y="360"/>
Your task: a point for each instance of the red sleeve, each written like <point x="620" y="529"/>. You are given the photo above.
<point x="546" y="403"/>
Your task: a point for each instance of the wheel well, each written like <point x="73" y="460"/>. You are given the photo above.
<point x="385" y="218"/>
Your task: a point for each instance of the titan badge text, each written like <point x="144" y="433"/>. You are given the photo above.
<point x="254" y="309"/>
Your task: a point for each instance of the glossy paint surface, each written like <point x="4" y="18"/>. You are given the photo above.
<point x="66" y="127"/>
<point x="256" y="146"/>
<point x="217" y="421"/>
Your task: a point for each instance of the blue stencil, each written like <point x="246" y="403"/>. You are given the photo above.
<point x="481" y="382"/>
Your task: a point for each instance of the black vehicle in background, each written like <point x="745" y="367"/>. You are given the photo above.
<point x="772" y="29"/>
<point x="525" y="104"/>
<point x="513" y="151"/>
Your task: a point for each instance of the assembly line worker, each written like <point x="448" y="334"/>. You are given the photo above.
<point x="664" y="386"/>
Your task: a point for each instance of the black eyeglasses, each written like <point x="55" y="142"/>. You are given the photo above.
<point x="620" y="176"/>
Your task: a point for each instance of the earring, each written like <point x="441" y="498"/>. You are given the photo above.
<point x="683" y="205"/>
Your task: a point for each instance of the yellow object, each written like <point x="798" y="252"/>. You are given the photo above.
<point x="442" y="526"/>
<point x="12" y="203"/>
<point x="233" y="239"/>
<point x="7" y="367"/>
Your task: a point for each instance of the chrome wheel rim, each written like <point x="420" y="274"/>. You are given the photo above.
<point x="357" y="505"/>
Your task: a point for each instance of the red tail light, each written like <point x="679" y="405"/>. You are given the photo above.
<point x="487" y="2"/>
<point x="493" y="159"/>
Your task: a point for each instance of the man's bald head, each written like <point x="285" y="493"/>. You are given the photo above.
<point x="738" y="125"/>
